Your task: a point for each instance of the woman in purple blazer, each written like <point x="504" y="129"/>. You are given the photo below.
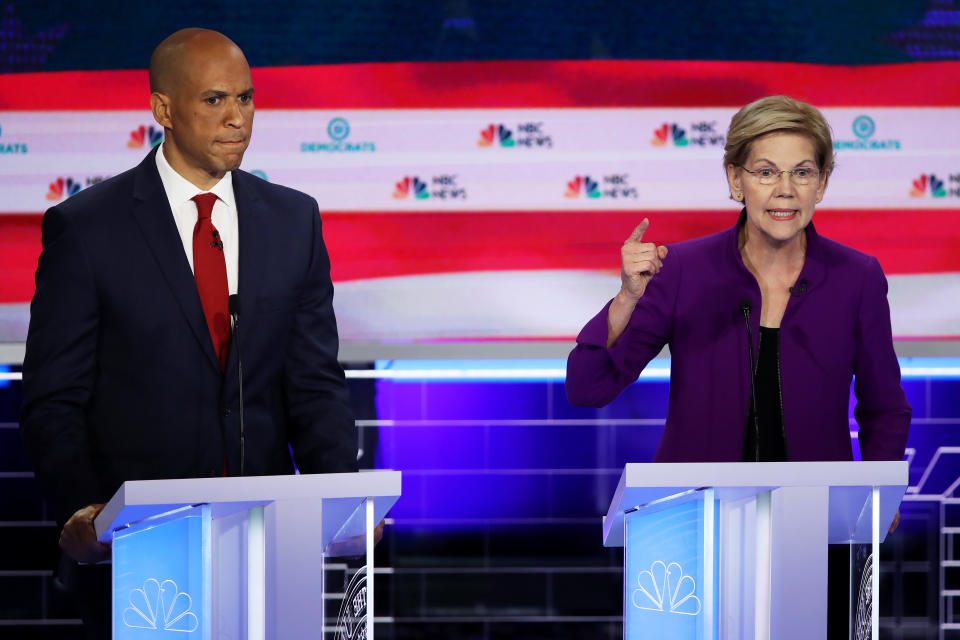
<point x="769" y="295"/>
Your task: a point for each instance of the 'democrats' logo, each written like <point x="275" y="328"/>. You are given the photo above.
<point x="338" y="130"/>
<point x="441" y="187"/>
<point x="665" y="587"/>
<point x="160" y="606"/>
<point x="143" y="135"/>
<point x="528" y="134"/>
<point x="615" y="186"/>
<point x="864" y="128"/>
<point x="11" y="147"/>
<point x="702" y="133"/>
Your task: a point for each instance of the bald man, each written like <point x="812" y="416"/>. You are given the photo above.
<point x="131" y="369"/>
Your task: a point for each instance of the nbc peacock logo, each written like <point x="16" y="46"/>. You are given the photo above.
<point x="143" y="135"/>
<point x="669" y="133"/>
<point x="582" y="186"/>
<point x="62" y="188"/>
<point x="667" y="589"/>
<point x="411" y="185"/>
<point x="160" y="606"/>
<point x="930" y="181"/>
<point x="499" y="134"/>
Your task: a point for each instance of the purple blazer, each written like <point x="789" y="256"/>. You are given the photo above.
<point x="837" y="329"/>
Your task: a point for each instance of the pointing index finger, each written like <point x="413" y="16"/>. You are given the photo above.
<point x="637" y="234"/>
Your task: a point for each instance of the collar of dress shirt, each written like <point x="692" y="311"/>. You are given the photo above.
<point x="180" y="190"/>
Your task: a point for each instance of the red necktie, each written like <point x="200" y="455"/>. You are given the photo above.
<point x="210" y="271"/>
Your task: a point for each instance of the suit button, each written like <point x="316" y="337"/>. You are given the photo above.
<point x="212" y="473"/>
<point x="226" y="411"/>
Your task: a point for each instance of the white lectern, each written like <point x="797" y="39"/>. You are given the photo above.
<point x="739" y="550"/>
<point x="234" y="558"/>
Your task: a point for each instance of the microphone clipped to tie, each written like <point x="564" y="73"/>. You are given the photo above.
<point x="217" y="243"/>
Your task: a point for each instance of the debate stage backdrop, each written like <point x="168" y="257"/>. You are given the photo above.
<point x="477" y="166"/>
<point x="464" y="200"/>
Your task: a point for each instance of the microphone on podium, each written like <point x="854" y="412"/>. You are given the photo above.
<point x="233" y="305"/>
<point x="746" y="307"/>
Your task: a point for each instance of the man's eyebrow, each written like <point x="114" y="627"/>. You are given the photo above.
<point x="223" y="94"/>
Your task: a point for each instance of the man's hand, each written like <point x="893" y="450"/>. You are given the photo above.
<point x="79" y="539"/>
<point x="639" y="262"/>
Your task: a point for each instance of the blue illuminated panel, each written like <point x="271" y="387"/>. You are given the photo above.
<point x="503" y="430"/>
<point x="161" y="578"/>
<point x="671" y="573"/>
<point x="555" y="369"/>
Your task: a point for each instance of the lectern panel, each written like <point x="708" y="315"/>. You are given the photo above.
<point x="161" y="577"/>
<point x="348" y="572"/>
<point x="671" y="571"/>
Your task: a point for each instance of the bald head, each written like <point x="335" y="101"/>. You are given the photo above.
<point x="183" y="49"/>
<point x="202" y="96"/>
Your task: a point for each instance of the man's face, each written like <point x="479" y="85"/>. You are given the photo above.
<point x="209" y="113"/>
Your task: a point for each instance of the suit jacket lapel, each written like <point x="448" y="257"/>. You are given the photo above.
<point x="252" y="230"/>
<point x="152" y="212"/>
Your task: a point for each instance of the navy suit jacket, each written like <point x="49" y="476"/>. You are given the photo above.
<point x="120" y="379"/>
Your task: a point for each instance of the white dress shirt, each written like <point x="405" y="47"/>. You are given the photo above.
<point x="179" y="192"/>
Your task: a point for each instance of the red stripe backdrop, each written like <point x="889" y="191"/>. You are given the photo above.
<point x="924" y="240"/>
<point x="535" y="84"/>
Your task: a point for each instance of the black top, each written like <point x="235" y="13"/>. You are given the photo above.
<point x="772" y="446"/>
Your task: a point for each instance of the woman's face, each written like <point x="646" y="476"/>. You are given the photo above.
<point x="778" y="212"/>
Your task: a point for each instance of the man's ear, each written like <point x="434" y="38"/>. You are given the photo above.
<point x="160" y="105"/>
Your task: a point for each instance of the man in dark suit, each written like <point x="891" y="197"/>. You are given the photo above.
<point x="131" y="370"/>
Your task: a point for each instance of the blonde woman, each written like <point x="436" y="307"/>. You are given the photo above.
<point x="768" y="299"/>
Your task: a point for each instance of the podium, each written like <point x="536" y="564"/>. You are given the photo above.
<point x="739" y="550"/>
<point x="244" y="558"/>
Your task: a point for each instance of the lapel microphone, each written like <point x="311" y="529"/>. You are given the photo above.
<point x="217" y="242"/>
<point x="233" y="305"/>
<point x="800" y="288"/>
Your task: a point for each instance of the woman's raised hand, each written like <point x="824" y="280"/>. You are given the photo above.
<point x="639" y="262"/>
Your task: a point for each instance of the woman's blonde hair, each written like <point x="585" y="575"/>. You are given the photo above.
<point x="778" y="113"/>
